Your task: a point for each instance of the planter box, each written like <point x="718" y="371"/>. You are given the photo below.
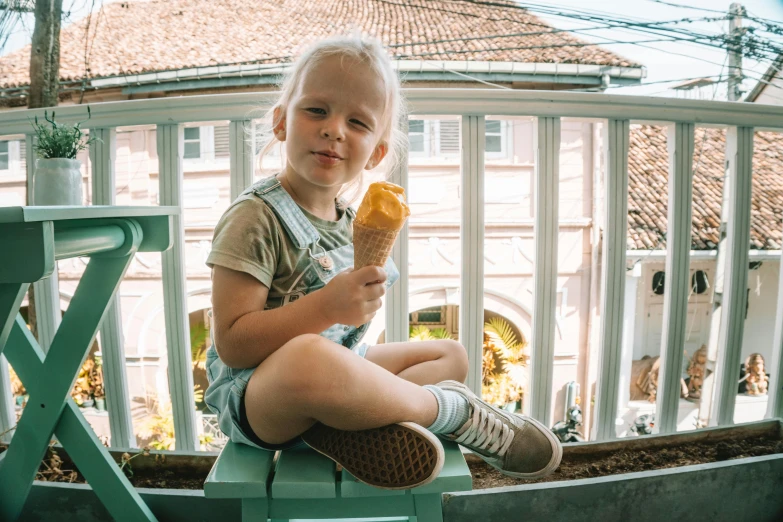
<point x="78" y="503"/>
<point x="734" y="490"/>
<point x="742" y="489"/>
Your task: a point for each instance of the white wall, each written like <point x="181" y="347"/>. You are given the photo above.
<point x="762" y="301"/>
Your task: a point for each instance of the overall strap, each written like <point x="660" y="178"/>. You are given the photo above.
<point x="295" y="223"/>
<point x="351" y="211"/>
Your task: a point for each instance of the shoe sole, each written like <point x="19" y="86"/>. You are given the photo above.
<point x="557" y="448"/>
<point x="397" y="456"/>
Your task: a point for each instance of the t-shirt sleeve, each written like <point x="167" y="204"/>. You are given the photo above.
<point x="247" y="239"/>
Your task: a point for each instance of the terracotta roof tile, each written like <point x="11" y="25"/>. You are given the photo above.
<point x="648" y="189"/>
<point x="135" y="37"/>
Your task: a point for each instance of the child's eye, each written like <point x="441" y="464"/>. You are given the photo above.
<point x="315" y="110"/>
<point x="361" y="123"/>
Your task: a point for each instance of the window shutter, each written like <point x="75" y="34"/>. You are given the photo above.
<point x="449" y="136"/>
<point x="221" y="141"/>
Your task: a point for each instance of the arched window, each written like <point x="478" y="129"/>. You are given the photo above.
<point x="699" y="282"/>
<point x="658" y="281"/>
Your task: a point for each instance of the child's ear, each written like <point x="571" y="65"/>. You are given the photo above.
<point x="278" y="116"/>
<point x="377" y="155"/>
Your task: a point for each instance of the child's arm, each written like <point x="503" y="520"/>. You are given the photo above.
<point x="246" y="334"/>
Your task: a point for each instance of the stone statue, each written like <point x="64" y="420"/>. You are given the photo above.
<point x="756" y="380"/>
<point x="697" y="371"/>
<point x="644" y="379"/>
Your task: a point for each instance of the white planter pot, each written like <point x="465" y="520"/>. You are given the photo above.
<point x="57" y="181"/>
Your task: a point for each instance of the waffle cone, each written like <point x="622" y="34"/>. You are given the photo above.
<point x="371" y="246"/>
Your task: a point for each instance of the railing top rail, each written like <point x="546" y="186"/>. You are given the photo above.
<point x="444" y="101"/>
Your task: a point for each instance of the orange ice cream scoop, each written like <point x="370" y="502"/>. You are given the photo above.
<point x="383" y="207"/>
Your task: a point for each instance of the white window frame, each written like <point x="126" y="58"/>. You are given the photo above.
<point x="206" y="160"/>
<point x="505" y="140"/>
<point x="7" y="155"/>
<point x="14" y="160"/>
<point x="199" y="141"/>
<point x="426" y="137"/>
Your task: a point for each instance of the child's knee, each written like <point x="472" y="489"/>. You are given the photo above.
<point x="458" y="357"/>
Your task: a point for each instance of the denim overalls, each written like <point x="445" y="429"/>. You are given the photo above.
<point x="226" y="391"/>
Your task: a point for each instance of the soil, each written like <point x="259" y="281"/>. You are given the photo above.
<point x="625" y="461"/>
<point x="154" y="472"/>
<point x="143" y="471"/>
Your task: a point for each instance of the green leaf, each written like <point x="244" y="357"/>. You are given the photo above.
<point x="420" y="333"/>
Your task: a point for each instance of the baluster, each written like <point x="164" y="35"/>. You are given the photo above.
<point x="739" y="160"/>
<point x="547" y="178"/>
<point x="241" y="143"/>
<point x="677" y="283"/>
<point x="612" y="277"/>
<point x="397" y="296"/>
<point x="47" y="291"/>
<point x="471" y="311"/>
<point x="171" y="147"/>
<point x="115" y="379"/>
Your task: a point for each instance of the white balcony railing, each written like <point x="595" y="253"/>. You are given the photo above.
<point x="617" y="112"/>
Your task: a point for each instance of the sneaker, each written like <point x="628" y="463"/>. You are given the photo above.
<point x="397" y="456"/>
<point x="515" y="445"/>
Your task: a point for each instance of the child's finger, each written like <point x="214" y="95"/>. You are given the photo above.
<point x="371" y="274"/>
<point x="374" y="291"/>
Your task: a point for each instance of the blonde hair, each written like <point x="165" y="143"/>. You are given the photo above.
<point x="363" y="49"/>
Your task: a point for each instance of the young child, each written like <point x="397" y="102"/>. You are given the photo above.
<point x="286" y="367"/>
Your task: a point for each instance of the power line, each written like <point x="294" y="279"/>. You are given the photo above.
<point x="757" y="51"/>
<point x="516" y="34"/>
<point x="580" y="14"/>
<point x="682" y="6"/>
<point x="548" y="46"/>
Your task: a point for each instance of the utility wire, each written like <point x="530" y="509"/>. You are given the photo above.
<point x="682" y="6"/>
<point x="585" y="15"/>
<point x="618" y="26"/>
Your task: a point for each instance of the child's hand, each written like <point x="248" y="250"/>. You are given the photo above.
<point x="352" y="297"/>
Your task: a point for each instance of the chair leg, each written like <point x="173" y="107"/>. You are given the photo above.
<point x="428" y="508"/>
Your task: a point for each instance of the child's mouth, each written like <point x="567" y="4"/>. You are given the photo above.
<point x="327" y="158"/>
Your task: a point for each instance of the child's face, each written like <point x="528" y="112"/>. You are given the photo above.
<point x="334" y="122"/>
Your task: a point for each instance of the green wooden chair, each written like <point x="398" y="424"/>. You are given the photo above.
<point x="303" y="484"/>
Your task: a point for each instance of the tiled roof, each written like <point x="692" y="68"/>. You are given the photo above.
<point x="648" y="189"/>
<point x="134" y="37"/>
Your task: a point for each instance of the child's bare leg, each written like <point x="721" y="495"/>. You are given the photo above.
<point x="426" y="362"/>
<point x="311" y="379"/>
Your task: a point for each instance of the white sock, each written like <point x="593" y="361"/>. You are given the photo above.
<point x="453" y="410"/>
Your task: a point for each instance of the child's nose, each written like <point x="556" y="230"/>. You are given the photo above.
<point x="333" y="129"/>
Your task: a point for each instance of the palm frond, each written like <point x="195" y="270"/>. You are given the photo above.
<point x="501" y="330"/>
<point x="419" y="333"/>
<point x="440" y="333"/>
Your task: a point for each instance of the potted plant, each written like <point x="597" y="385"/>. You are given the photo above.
<point x="504" y="365"/>
<point x="17" y="388"/>
<point x="89" y="384"/>
<point x="58" y="178"/>
<point x="98" y="392"/>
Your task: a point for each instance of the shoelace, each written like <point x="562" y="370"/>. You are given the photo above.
<point x="487" y="432"/>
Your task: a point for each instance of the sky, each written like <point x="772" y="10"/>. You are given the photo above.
<point x="668" y="61"/>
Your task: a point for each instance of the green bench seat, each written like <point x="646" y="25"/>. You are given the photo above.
<point x="303" y="484"/>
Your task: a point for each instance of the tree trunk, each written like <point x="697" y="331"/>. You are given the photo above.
<point x="45" y="54"/>
<point x="44" y="83"/>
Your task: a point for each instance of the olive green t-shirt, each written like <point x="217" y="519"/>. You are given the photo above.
<point x="249" y="238"/>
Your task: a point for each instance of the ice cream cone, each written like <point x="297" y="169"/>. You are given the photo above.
<point x="379" y="219"/>
<point x="371" y="246"/>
